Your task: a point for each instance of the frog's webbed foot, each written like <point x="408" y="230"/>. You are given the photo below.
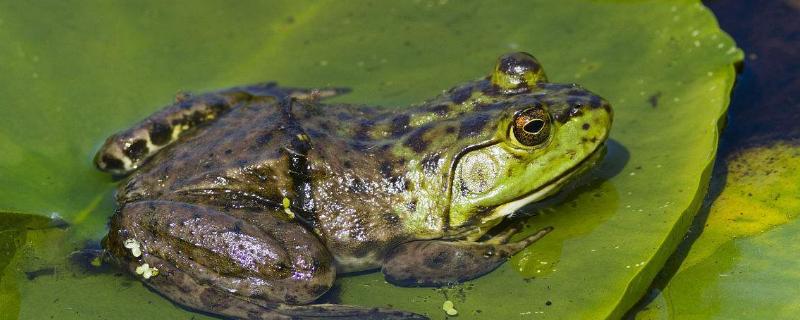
<point x="438" y="262"/>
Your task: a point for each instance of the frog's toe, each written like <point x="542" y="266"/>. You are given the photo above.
<point x="509" y="249"/>
<point x="503" y="236"/>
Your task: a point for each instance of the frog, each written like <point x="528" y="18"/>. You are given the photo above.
<point x="248" y="202"/>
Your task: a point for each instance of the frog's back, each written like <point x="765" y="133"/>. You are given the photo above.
<point x="263" y="154"/>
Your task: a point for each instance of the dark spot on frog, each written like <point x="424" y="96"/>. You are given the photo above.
<point x="160" y="133"/>
<point x="317" y="290"/>
<point x="462" y="187"/>
<point x="363" y="130"/>
<point x="460" y="95"/>
<point x="438" y="260"/>
<point x="291" y="299"/>
<point x="430" y="163"/>
<point x="653" y="99"/>
<point x="548" y="302"/>
<point x="316" y="134"/>
<point x="441" y="110"/>
<point x="386" y="169"/>
<point x="416" y="140"/>
<point x="503" y="105"/>
<point x="412" y="205"/>
<point x="399" y="125"/>
<point x="450" y="129"/>
<point x="264" y="138"/>
<point x="344" y="116"/>
<point x="578" y="92"/>
<point x="357" y="186"/>
<point x="136" y="150"/>
<point x="347" y="164"/>
<point x="473" y="125"/>
<point x="237" y="227"/>
<point x="112" y="163"/>
<point x="228" y="151"/>
<point x="596" y="102"/>
<point x="359" y="146"/>
<point x="391" y="218"/>
<point x="585" y="126"/>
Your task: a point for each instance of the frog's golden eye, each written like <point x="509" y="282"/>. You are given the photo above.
<point x="531" y="127"/>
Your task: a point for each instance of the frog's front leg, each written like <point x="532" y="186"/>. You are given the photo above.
<point x="236" y="263"/>
<point x="125" y="151"/>
<point x="439" y="262"/>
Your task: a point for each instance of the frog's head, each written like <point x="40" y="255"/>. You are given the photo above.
<point x="545" y="135"/>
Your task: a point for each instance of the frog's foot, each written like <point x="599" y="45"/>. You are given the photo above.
<point x="235" y="263"/>
<point x="437" y="262"/>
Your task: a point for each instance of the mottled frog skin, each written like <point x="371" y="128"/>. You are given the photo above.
<point x="247" y="202"/>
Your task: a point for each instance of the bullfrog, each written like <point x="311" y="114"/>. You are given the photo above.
<point x="248" y="202"/>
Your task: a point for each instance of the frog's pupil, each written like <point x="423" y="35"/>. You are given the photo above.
<point x="534" y="126"/>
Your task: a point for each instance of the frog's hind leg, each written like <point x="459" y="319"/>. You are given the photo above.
<point x="438" y="262"/>
<point x="235" y="263"/>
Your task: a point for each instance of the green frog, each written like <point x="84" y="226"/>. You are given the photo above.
<point x="247" y="202"/>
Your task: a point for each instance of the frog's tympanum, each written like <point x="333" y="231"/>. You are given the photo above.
<point x="247" y="202"/>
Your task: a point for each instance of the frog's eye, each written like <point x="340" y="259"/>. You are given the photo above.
<point x="531" y="127"/>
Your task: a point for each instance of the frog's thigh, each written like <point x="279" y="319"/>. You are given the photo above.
<point x="249" y="254"/>
<point x="437" y="262"/>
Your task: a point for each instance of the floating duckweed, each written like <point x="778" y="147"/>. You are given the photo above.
<point x="146" y="271"/>
<point x="134" y="246"/>
<point x="286" y="204"/>
<point x="447" y="306"/>
<point x="96" y="262"/>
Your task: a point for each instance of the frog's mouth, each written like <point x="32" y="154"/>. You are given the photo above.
<point x="547" y="189"/>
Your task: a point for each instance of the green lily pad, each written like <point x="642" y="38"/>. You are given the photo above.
<point x="744" y="264"/>
<point x="75" y="72"/>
